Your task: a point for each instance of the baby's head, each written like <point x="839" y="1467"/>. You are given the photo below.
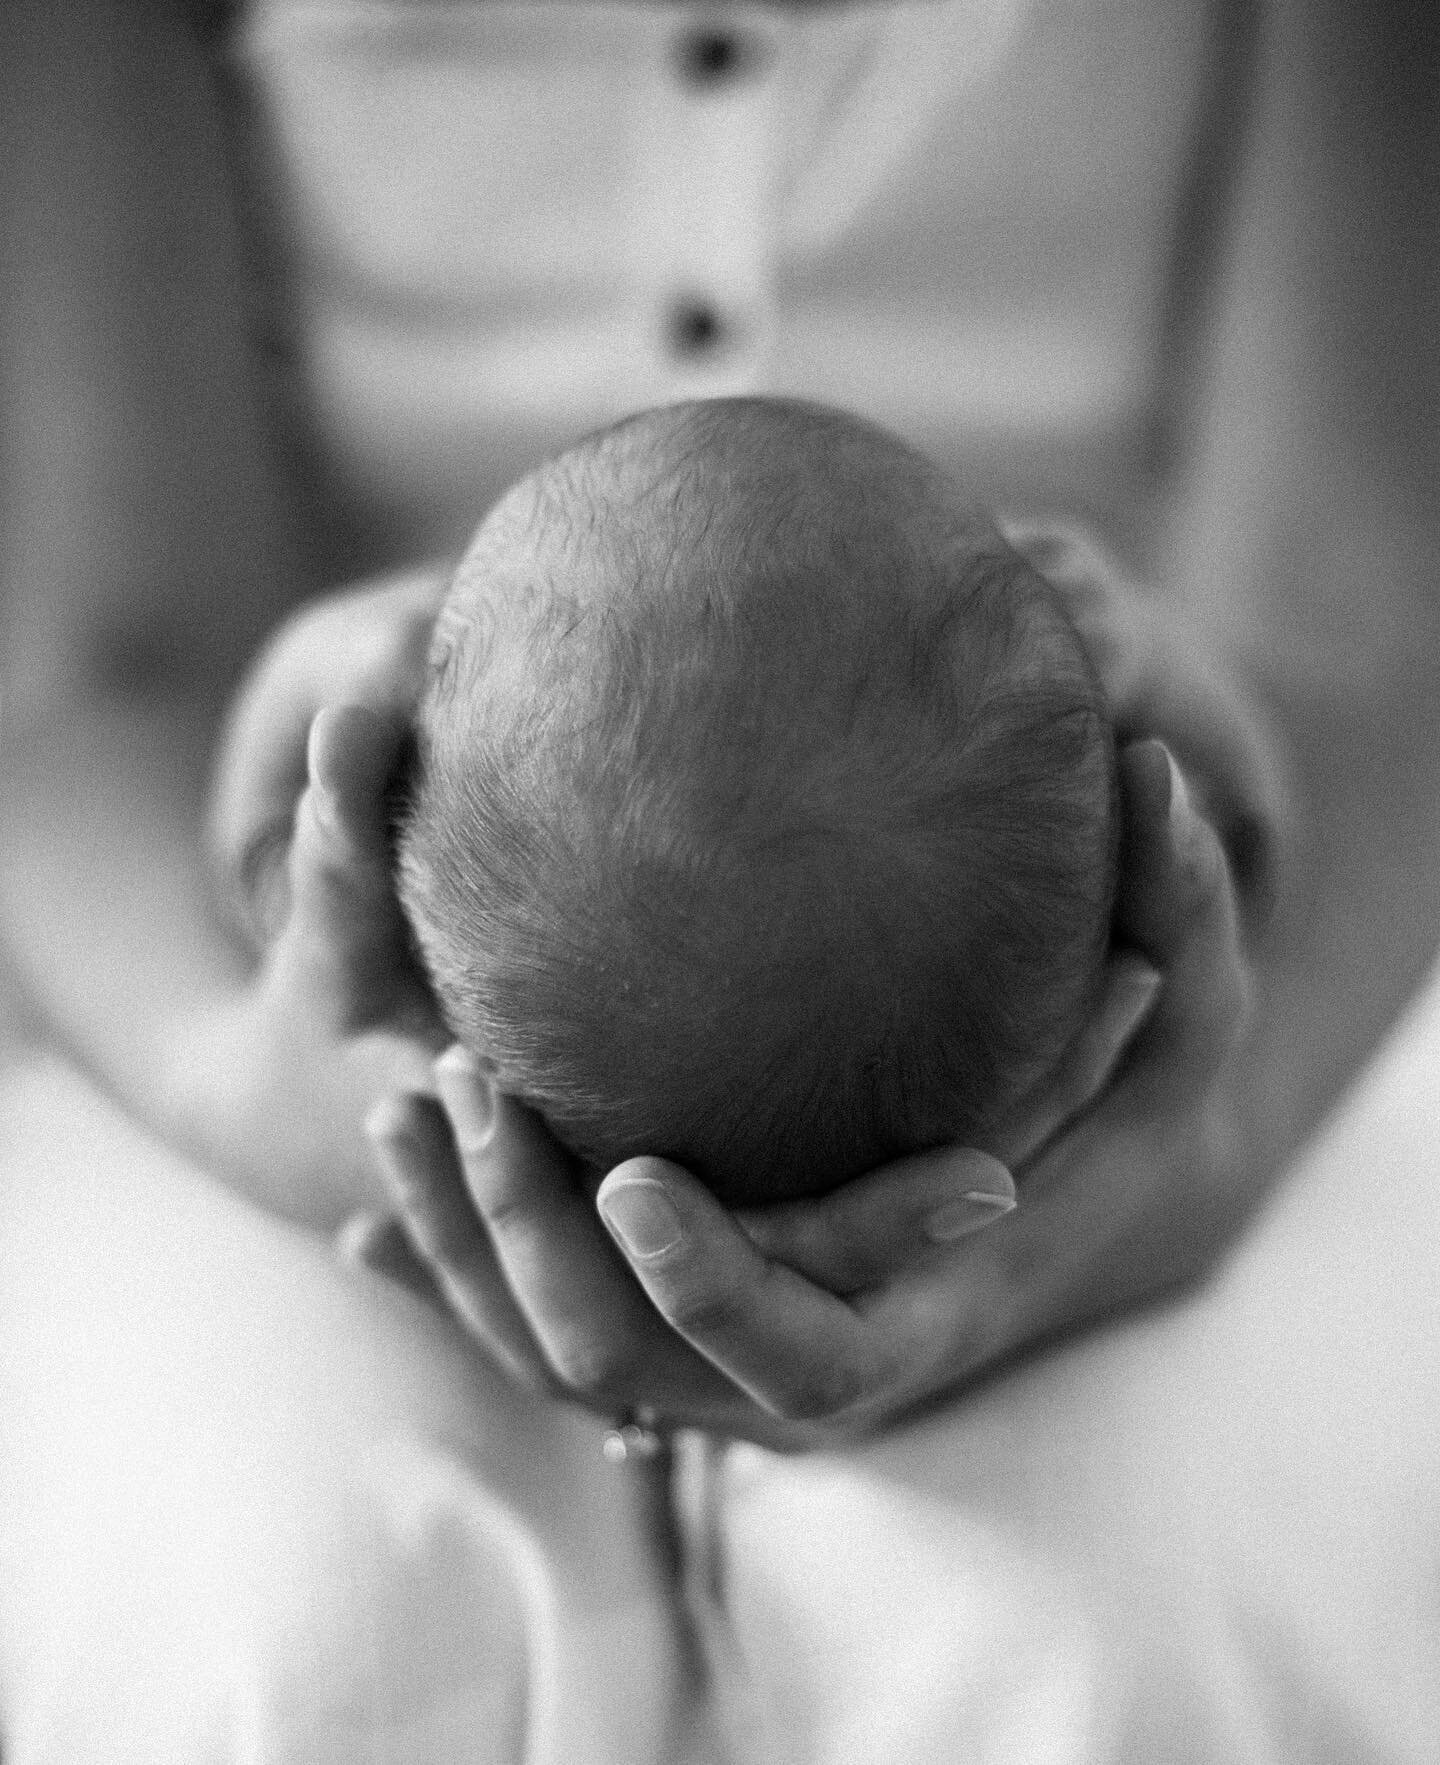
<point x="763" y="814"/>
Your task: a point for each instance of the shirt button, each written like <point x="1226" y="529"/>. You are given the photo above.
<point x="695" y="328"/>
<point x="710" y="57"/>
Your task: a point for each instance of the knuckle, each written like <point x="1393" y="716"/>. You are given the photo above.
<point x="506" y="1208"/>
<point x="701" y="1309"/>
<point x="598" y="1373"/>
<point x="429" y="1222"/>
<point x="452" y="1247"/>
<point x="430" y="1226"/>
<point x="525" y="1368"/>
<point x="819" y="1393"/>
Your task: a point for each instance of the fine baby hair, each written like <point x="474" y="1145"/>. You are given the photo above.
<point x="763" y="814"/>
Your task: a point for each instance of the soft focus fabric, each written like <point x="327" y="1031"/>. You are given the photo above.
<point x="1211" y="1534"/>
<point x="492" y="226"/>
<point x="255" y="1509"/>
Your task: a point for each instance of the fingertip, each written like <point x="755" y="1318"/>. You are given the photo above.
<point x="647" y="1167"/>
<point x="320" y="745"/>
<point x="964" y="1217"/>
<point x="642" y="1217"/>
<point x="1149" y="771"/>
<point x="1180" y="807"/>
<point x="693" y="1203"/>
<point x="324" y="800"/>
<point x="1160" y="804"/>
<point x="981" y="1191"/>
<point x="982" y="1173"/>
<point x="357" y="1240"/>
<point x="656" y="1210"/>
<point x="339" y="733"/>
<point x="1134" y="983"/>
<point x="462" y="1065"/>
<point x="390" y="1120"/>
<point x="348" y="756"/>
<point x="1172" y="859"/>
<point x="466" y="1083"/>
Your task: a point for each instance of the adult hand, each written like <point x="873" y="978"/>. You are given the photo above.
<point x="280" y="1069"/>
<point x="808" y="1320"/>
<point x="362" y="647"/>
<point x="1162" y="676"/>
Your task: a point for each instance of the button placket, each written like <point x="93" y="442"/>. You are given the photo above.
<point x="704" y="251"/>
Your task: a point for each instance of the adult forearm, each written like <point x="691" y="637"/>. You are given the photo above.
<point x="109" y="926"/>
<point x="1310" y="536"/>
<point x="105" y="910"/>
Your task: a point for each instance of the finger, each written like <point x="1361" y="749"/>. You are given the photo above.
<point x="1177" y="906"/>
<point x="1130" y="989"/>
<point x="379" y="1243"/>
<point x="597" y="1332"/>
<point x="345" y="939"/>
<point x="1221" y="740"/>
<point x="259" y="777"/>
<point x="1100" y="596"/>
<point x="867" y="1229"/>
<point x="798" y="1351"/>
<point x="354" y="1238"/>
<point x="416" y="1156"/>
<point x="1115" y="1180"/>
<point x="1161" y="676"/>
<point x="351" y="753"/>
<point x="1131" y="1163"/>
<point x="367" y="645"/>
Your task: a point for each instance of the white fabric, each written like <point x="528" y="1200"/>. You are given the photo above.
<point x="1210" y="1535"/>
<point x="256" y="1511"/>
<point x="953" y="215"/>
<point x="252" y="1509"/>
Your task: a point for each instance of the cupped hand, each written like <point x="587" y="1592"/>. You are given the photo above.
<point x="333" y="1012"/>
<point x="363" y="647"/>
<point x="811" y="1320"/>
<point x="1163" y="675"/>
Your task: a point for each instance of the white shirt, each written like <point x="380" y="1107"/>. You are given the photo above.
<point x="502" y="225"/>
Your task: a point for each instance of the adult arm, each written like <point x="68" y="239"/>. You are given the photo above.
<point x="145" y="554"/>
<point x="1308" y="541"/>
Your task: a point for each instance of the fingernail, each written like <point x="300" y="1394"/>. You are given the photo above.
<point x="468" y="1092"/>
<point x="322" y="797"/>
<point x="642" y="1216"/>
<point x="1135" y="990"/>
<point x="1181" y="812"/>
<point x="324" y="807"/>
<point x="991" y="1197"/>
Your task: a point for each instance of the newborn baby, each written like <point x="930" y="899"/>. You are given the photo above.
<point x="764" y="811"/>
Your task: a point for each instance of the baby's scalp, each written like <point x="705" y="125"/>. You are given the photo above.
<point x="764" y="813"/>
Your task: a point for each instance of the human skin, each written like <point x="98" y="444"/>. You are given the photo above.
<point x="1308" y="482"/>
<point x="513" y="1243"/>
